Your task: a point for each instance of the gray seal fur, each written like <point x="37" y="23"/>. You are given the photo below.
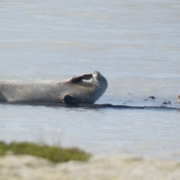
<point x="86" y="88"/>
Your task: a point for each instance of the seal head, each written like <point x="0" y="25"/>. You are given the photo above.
<point x="99" y="82"/>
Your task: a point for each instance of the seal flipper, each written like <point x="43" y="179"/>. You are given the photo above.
<point x="2" y="98"/>
<point x="80" y="78"/>
<point x="70" y="100"/>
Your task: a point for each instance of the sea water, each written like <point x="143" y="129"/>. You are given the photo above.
<point x="135" y="44"/>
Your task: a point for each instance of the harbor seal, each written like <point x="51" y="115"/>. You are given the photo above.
<point x="86" y="88"/>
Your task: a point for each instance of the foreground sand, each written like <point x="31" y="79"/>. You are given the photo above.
<point x="106" y="167"/>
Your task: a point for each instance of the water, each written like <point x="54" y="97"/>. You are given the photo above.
<point x="134" y="44"/>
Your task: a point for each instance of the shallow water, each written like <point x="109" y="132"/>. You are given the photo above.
<point x="134" y="44"/>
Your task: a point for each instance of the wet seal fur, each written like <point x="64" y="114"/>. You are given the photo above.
<point x="86" y="88"/>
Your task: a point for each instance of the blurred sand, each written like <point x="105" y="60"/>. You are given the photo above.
<point x="104" y="167"/>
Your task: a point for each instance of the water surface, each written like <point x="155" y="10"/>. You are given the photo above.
<point x="134" y="44"/>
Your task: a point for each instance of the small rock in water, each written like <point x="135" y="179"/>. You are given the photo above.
<point x="151" y="97"/>
<point x="168" y="102"/>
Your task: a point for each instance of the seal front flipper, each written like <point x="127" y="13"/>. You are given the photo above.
<point x="80" y="78"/>
<point x="70" y="100"/>
<point x="2" y="98"/>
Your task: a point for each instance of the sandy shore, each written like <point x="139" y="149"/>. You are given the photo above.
<point x="104" y="167"/>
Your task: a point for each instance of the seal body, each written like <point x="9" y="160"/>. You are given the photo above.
<point x="86" y="88"/>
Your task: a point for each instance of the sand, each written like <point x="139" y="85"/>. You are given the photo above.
<point x="102" y="167"/>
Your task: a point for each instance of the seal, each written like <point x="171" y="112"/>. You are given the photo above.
<point x="86" y="88"/>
